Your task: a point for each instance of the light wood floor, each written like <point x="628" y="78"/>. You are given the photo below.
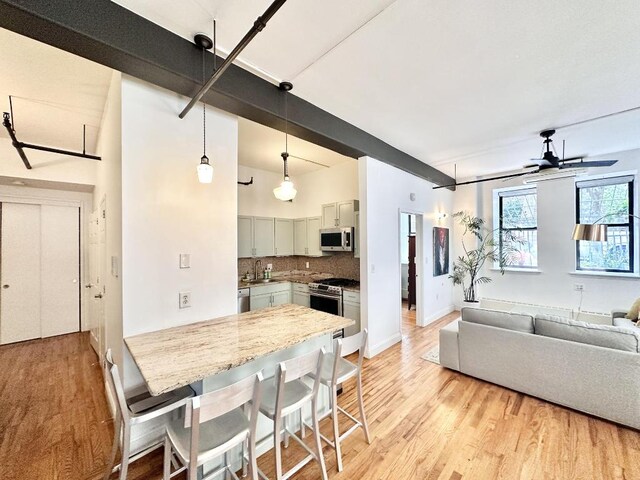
<point x="426" y="422"/>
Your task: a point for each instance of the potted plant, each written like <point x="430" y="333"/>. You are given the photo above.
<point x="467" y="267"/>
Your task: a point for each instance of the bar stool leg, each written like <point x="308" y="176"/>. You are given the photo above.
<point x="117" y="425"/>
<point x="286" y="433"/>
<point x="363" y="417"/>
<point x="316" y="434"/>
<point x="336" y="428"/>
<point x="126" y="446"/>
<point x="303" y="432"/>
<point x="277" y="438"/>
<point x="167" y="460"/>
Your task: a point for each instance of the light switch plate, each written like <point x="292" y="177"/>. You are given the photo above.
<point x="185" y="300"/>
<point x="185" y="260"/>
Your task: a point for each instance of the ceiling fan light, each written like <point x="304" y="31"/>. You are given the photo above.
<point x="286" y="191"/>
<point x="205" y="170"/>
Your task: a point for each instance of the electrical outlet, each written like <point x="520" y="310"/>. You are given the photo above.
<point x="307" y="264"/>
<point x="578" y="287"/>
<point x="269" y="266"/>
<point x="185" y="299"/>
<point x="185" y="260"/>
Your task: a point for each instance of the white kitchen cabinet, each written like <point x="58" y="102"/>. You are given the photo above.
<point x="280" y="298"/>
<point x="300" y="238"/>
<point x="245" y="237"/>
<point x="356" y="236"/>
<point x="283" y="237"/>
<point x="300" y="294"/>
<point x="340" y="214"/>
<point x="351" y="310"/>
<point x="269" y="295"/>
<point x="313" y="236"/>
<point x="263" y="237"/>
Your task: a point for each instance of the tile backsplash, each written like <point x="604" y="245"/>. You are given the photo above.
<point x="341" y="264"/>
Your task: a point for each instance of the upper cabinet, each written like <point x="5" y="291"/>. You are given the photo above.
<point x="283" y="237"/>
<point x="340" y="214"/>
<point x="256" y="237"/>
<point x="306" y="236"/>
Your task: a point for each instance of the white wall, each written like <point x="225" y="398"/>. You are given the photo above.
<point x="167" y="212"/>
<point x="554" y="285"/>
<point x="321" y="186"/>
<point x="384" y="193"/>
<point x="109" y="187"/>
<point x="258" y="199"/>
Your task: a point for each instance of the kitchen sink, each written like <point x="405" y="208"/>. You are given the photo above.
<point x="261" y="280"/>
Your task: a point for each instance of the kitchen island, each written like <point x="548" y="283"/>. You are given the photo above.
<point x="215" y="353"/>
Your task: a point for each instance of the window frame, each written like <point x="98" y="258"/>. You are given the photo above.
<point x="503" y="193"/>
<point x="630" y="224"/>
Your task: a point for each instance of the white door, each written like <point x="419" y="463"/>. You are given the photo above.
<point x="245" y="237"/>
<point x="20" y="273"/>
<point x="263" y="237"/>
<point x="94" y="324"/>
<point x="300" y="236"/>
<point x="284" y="237"/>
<point x="98" y="284"/>
<point x="313" y="236"/>
<point x="346" y="212"/>
<point x="60" y="270"/>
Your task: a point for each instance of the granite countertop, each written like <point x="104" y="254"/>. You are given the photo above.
<point x="174" y="357"/>
<point x="294" y="277"/>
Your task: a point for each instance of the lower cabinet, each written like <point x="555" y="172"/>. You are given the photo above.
<point x="301" y="299"/>
<point x="269" y="295"/>
<point x="351" y="310"/>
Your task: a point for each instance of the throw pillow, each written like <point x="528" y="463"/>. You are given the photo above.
<point x="632" y="314"/>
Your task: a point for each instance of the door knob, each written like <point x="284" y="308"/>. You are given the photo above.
<point x="5" y="286"/>
<point x="99" y="295"/>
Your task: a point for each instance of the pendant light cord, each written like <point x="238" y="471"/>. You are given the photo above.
<point x="204" y="114"/>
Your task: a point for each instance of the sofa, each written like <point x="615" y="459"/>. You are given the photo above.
<point x="591" y="368"/>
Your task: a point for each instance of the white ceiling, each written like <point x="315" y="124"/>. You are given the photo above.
<point x="260" y="147"/>
<point x="54" y="94"/>
<point x="466" y="83"/>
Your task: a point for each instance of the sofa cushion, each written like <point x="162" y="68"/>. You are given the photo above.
<point x="495" y="318"/>
<point x="625" y="323"/>
<point x="608" y="336"/>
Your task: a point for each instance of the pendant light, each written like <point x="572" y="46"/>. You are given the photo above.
<point x="286" y="191"/>
<point x="205" y="170"/>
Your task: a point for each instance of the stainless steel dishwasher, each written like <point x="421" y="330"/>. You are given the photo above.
<point x="243" y="300"/>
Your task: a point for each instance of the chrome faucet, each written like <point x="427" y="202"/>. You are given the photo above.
<point x="255" y="270"/>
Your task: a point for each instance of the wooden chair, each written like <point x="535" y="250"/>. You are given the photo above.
<point x="136" y="408"/>
<point x="336" y="370"/>
<point x="286" y="393"/>
<point x="213" y="425"/>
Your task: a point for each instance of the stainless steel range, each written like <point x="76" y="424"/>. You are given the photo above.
<point x="326" y="296"/>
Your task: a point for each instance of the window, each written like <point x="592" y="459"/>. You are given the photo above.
<point x="607" y="201"/>
<point x="518" y="227"/>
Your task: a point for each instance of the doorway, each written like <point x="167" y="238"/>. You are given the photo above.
<point x="411" y="261"/>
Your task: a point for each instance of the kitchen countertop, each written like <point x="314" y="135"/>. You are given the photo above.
<point x="178" y="356"/>
<point x="296" y="278"/>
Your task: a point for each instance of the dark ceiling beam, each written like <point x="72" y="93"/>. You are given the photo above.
<point x="111" y="35"/>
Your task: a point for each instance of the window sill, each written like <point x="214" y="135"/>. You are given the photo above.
<point x="605" y="274"/>
<point x="518" y="270"/>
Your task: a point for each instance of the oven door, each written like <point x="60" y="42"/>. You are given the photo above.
<point x="326" y="303"/>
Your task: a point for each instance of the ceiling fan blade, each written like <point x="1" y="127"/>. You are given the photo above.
<point x="501" y="177"/>
<point x="571" y="159"/>
<point x="538" y="162"/>
<point x="594" y="163"/>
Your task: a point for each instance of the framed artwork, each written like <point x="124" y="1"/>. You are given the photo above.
<point x="440" y="251"/>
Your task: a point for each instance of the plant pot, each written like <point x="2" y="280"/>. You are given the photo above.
<point x="475" y="304"/>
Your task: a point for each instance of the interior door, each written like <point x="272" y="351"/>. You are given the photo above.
<point x="98" y="284"/>
<point x="94" y="324"/>
<point x="20" y="273"/>
<point x="60" y="270"/>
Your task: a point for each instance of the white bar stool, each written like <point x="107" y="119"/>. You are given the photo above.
<point x="139" y="407"/>
<point x="335" y="370"/>
<point x="286" y="393"/>
<point x="214" y="424"/>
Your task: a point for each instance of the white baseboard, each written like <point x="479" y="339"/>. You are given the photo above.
<point x="437" y="315"/>
<point x="380" y="347"/>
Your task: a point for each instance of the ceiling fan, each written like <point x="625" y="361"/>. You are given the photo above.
<point x="549" y="163"/>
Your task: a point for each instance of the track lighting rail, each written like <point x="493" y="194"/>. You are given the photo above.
<point x="20" y="146"/>
<point x="257" y="27"/>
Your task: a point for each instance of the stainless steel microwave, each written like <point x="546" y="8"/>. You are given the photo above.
<point x="336" y="239"/>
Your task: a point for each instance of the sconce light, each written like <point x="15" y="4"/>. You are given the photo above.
<point x="441" y="216"/>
